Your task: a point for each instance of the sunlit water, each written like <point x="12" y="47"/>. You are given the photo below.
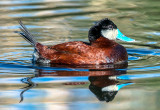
<point x="41" y="87"/>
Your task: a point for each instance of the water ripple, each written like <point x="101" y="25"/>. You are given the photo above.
<point x="47" y="13"/>
<point x="38" y="86"/>
<point x="17" y="27"/>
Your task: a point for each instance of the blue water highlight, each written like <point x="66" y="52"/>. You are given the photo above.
<point x="138" y="76"/>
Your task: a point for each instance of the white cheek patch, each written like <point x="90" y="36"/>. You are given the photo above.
<point x="110" y="34"/>
<point x="110" y="88"/>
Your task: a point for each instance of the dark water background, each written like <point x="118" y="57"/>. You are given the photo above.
<point x="39" y="87"/>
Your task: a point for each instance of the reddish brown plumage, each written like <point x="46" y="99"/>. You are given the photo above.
<point x="101" y="51"/>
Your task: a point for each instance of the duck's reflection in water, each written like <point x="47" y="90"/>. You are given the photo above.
<point x="103" y="87"/>
<point x="102" y="80"/>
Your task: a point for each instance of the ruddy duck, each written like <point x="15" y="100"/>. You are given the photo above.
<point x="101" y="49"/>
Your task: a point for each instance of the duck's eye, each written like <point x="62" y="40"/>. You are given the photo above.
<point x="110" y="27"/>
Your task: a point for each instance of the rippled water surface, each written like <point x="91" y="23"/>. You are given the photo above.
<point x="24" y="86"/>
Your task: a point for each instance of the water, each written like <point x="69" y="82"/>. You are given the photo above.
<point x="35" y="87"/>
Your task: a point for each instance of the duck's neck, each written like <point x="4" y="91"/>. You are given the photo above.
<point x="103" y="42"/>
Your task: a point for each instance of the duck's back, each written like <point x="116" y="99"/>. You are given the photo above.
<point x="78" y="52"/>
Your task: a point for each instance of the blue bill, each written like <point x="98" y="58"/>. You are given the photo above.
<point x="122" y="37"/>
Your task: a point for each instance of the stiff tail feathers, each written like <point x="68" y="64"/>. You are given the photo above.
<point x="26" y="34"/>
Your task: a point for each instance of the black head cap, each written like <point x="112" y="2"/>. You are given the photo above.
<point x="95" y="31"/>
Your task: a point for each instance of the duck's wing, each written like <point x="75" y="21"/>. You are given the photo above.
<point x="75" y="47"/>
<point x="68" y="57"/>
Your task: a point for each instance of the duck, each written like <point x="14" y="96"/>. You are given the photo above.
<point x="102" y="47"/>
